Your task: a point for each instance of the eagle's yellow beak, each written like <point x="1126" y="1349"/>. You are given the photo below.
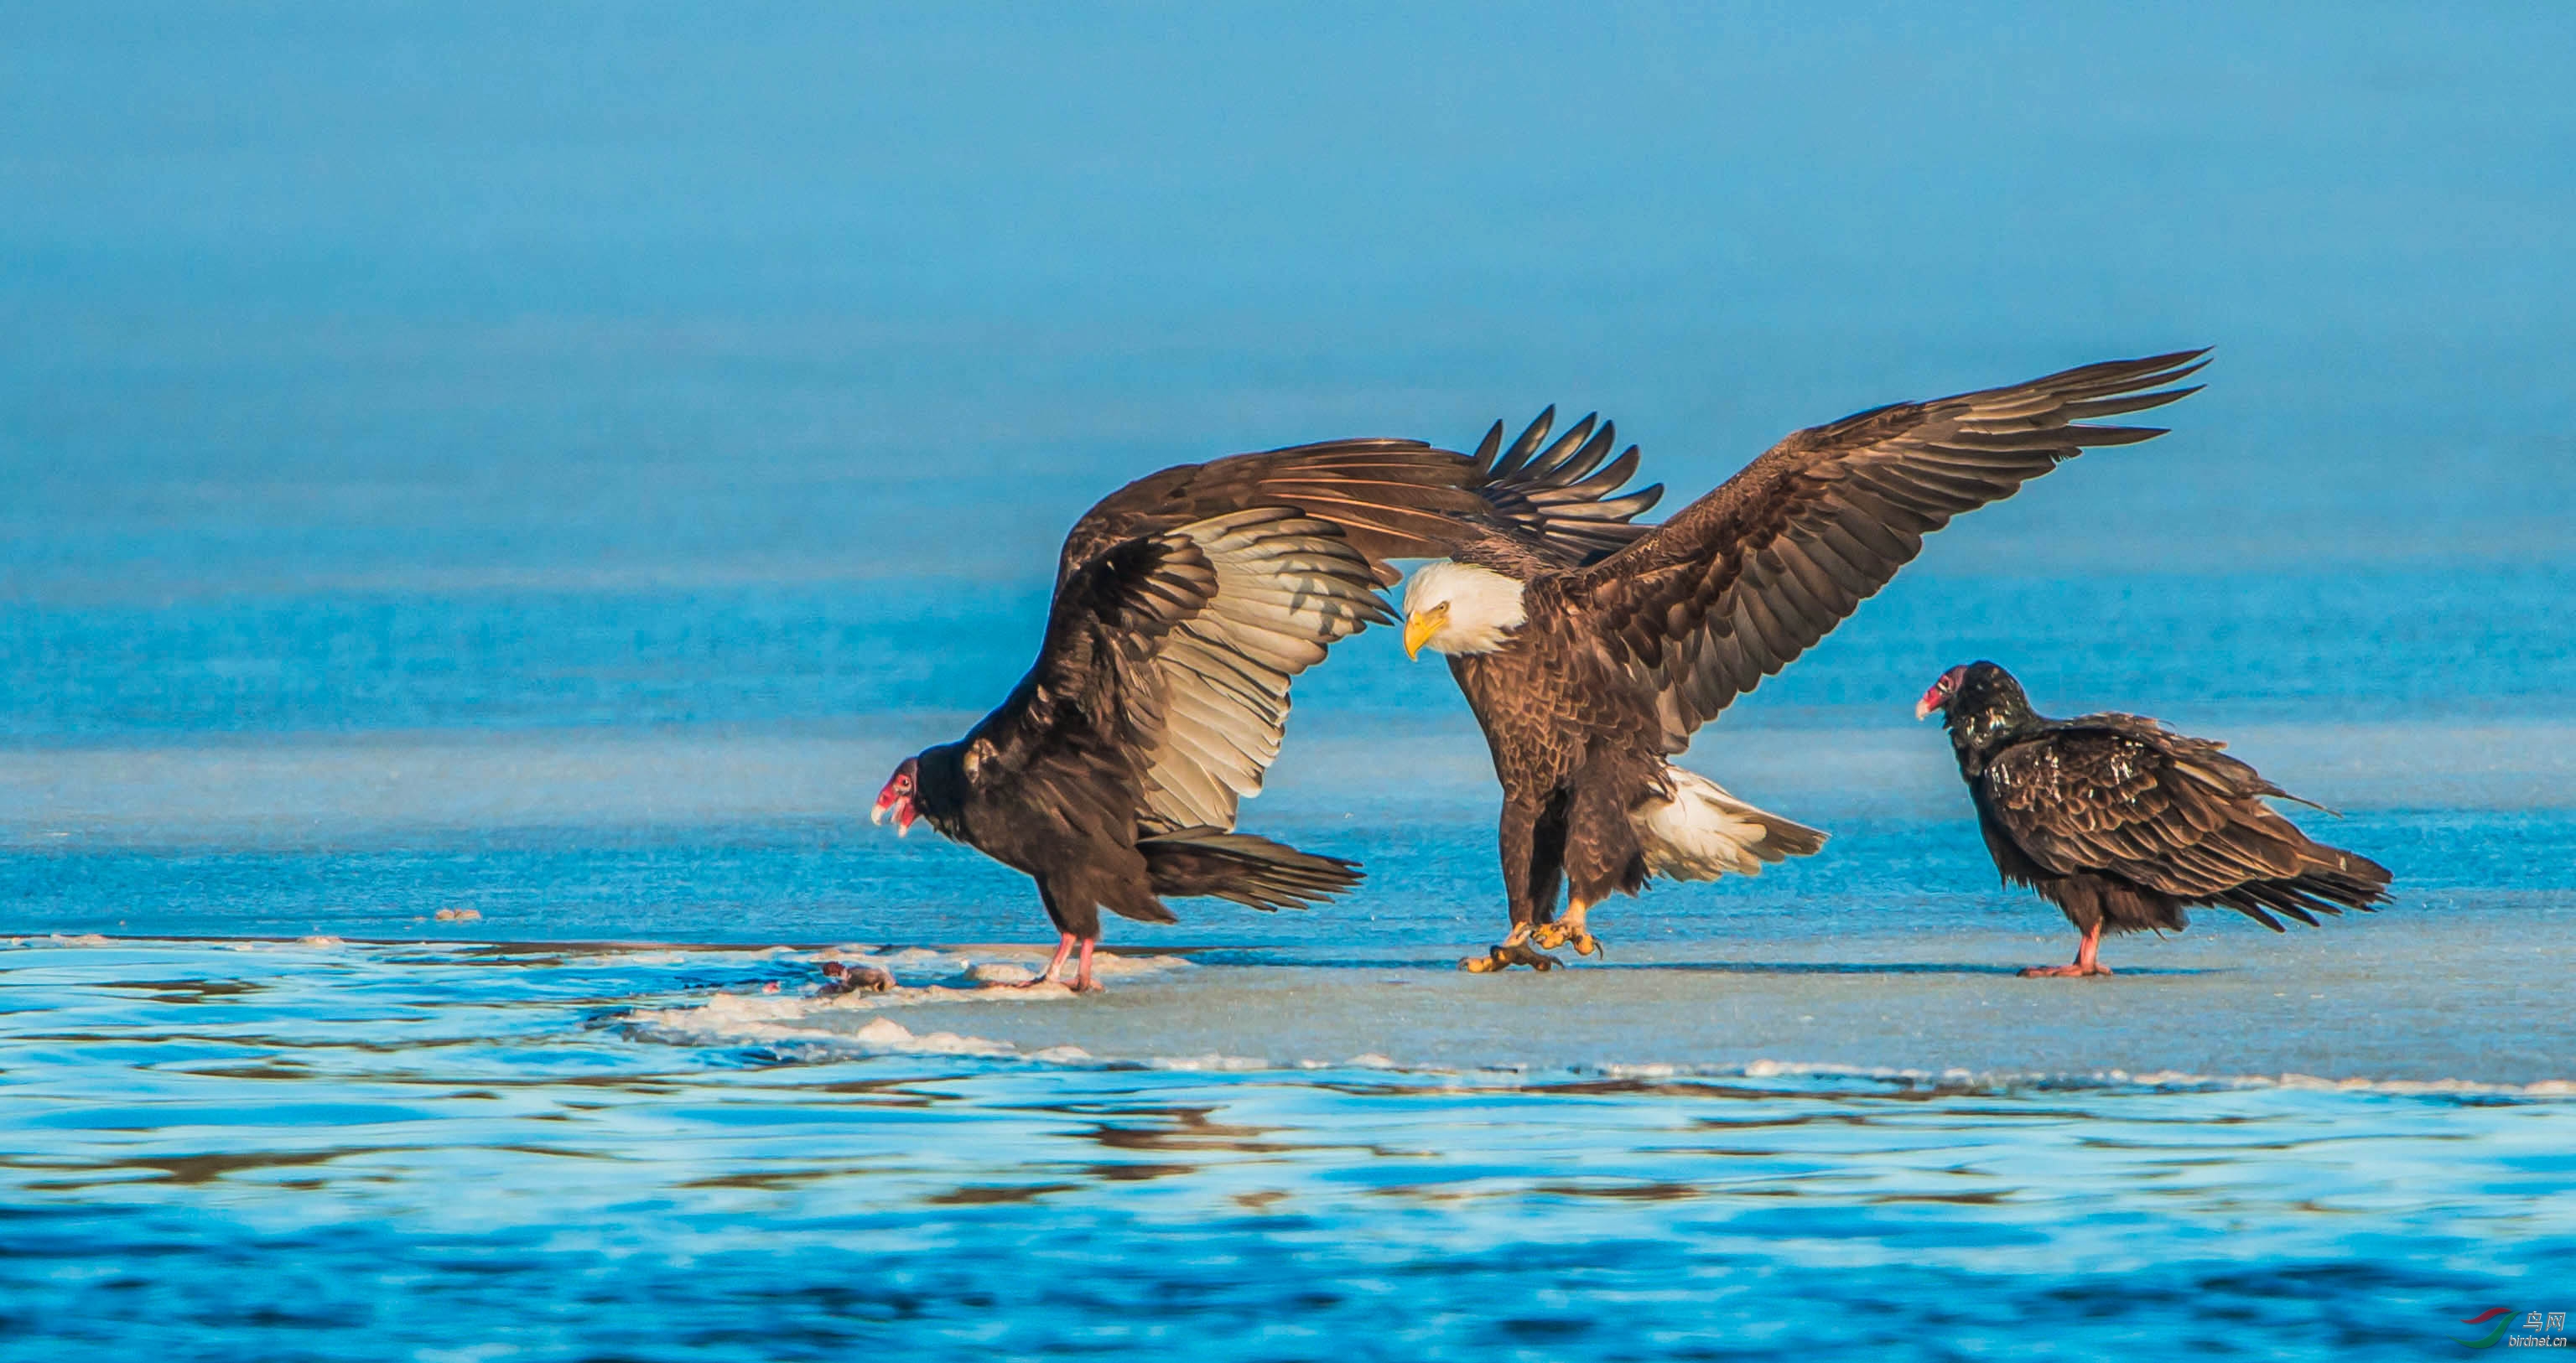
<point x="1421" y="626"/>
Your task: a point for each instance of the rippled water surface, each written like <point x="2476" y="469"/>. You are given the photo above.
<point x="357" y="1151"/>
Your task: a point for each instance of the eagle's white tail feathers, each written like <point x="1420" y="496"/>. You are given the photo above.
<point x="1703" y="832"/>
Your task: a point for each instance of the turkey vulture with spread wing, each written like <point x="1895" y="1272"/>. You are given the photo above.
<point x="1185" y="603"/>
<point x="1588" y="676"/>
<point x="2121" y="822"/>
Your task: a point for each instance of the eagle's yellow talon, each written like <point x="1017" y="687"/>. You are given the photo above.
<point x="1508" y="954"/>
<point x="1564" y="933"/>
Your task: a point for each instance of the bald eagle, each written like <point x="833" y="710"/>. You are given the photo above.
<point x="2121" y="822"/>
<point x="1184" y="605"/>
<point x="1589" y="676"/>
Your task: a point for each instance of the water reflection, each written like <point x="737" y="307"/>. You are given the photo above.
<point x="481" y="1113"/>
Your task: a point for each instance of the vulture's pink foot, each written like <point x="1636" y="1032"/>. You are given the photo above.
<point x="1063" y="949"/>
<point x="2081" y="968"/>
<point x="2087" y="959"/>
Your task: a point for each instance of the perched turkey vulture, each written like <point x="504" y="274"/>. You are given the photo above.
<point x="1589" y="676"/>
<point x="2121" y="822"/>
<point x="1185" y="603"/>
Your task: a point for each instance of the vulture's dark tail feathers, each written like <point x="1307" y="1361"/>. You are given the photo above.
<point x="2335" y="880"/>
<point x="1249" y="870"/>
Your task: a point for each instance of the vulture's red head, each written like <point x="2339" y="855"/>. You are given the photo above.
<point x="1942" y="693"/>
<point x="897" y="797"/>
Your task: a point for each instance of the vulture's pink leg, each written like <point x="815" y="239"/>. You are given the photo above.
<point x="1063" y="948"/>
<point x="2085" y="962"/>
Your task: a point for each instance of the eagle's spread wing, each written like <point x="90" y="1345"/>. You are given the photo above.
<point x="1562" y="493"/>
<point x="1392" y="498"/>
<point x="1180" y="647"/>
<point x="1188" y="599"/>
<point x="2121" y="795"/>
<point x="1749" y="576"/>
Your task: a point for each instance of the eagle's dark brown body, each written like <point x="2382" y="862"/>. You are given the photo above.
<point x="1588" y="672"/>
<point x="1576" y="750"/>
<point x="2122" y="823"/>
<point x="1185" y="604"/>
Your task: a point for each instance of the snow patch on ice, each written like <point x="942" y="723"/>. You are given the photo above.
<point x="926" y="976"/>
<point x="1992" y="1081"/>
<point x="1210" y="1063"/>
<point x="610" y="958"/>
<point x="735" y="1019"/>
<point x="825" y="1023"/>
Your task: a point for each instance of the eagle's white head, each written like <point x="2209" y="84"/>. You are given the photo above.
<point x="1459" y="608"/>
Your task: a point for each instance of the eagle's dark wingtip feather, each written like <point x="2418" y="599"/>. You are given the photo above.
<point x="2092" y="409"/>
<point x="2183" y="360"/>
<point x="1487" y="448"/>
<point x="2111" y="377"/>
<point x="2089" y="437"/>
<point x="1558" y="469"/>
<point x="1551" y="493"/>
<point x="1610" y="475"/>
<point x="1635" y="503"/>
<point x="1537" y="467"/>
<point x="1530" y="439"/>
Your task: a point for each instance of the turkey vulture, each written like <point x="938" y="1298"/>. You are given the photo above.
<point x="1589" y="676"/>
<point x="1185" y="603"/>
<point x="2121" y="822"/>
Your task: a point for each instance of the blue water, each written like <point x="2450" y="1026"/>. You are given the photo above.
<point x="471" y="1153"/>
<point x="2475" y="642"/>
<point x="490" y="492"/>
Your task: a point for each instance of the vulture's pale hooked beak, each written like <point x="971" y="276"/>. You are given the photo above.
<point x="898" y="806"/>
<point x="903" y="817"/>
<point x="1423" y="626"/>
<point x="1934" y="700"/>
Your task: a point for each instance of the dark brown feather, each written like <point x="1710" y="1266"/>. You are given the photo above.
<point x="2118" y="819"/>
<point x="1158" y="698"/>
<point x="1393" y="498"/>
<point x="1745" y="579"/>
